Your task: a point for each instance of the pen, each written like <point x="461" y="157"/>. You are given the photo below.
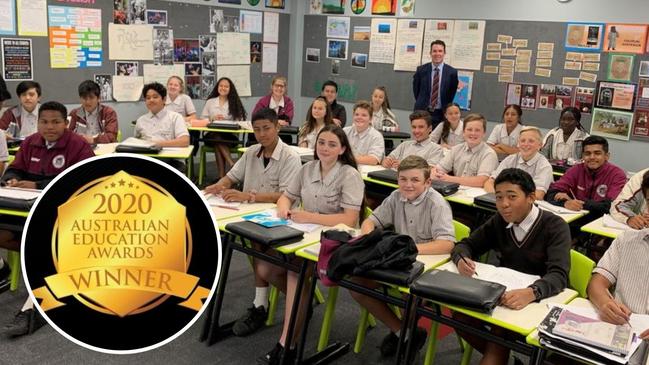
<point x="467" y="263"/>
<point x="572" y="194"/>
<point x="227" y="207"/>
<point x="613" y="299"/>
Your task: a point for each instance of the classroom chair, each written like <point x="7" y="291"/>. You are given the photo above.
<point x="13" y="259"/>
<point x="119" y="136"/>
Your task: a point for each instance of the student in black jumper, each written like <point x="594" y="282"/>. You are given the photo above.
<point x="529" y="240"/>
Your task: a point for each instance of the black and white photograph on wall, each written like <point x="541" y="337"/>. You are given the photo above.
<point x="547" y="96"/>
<point x="207" y="43"/>
<point x="163" y="47"/>
<point x="186" y="50"/>
<point x="564" y="96"/>
<point x="644" y="69"/>
<point x="193" y="69"/>
<point x="126" y="68"/>
<point x="255" y="52"/>
<point x="207" y="85"/>
<point x="216" y="20"/>
<point x="337" y="49"/>
<point x="584" y="99"/>
<point x="359" y="60"/>
<point x="230" y="23"/>
<point x="157" y="18"/>
<point x="313" y="55"/>
<point x="335" y="67"/>
<point x="528" y="96"/>
<point x="120" y="11"/>
<point x="209" y="63"/>
<point x="105" y="83"/>
<point x="136" y="12"/>
<point x="193" y="85"/>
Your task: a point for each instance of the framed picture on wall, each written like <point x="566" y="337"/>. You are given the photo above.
<point x="333" y="6"/>
<point x="275" y="4"/>
<point x="337" y="49"/>
<point x="627" y="38"/>
<point x="584" y="37"/>
<point x="611" y="123"/>
<point x="615" y="95"/>
<point x="641" y="123"/>
<point x="384" y="7"/>
<point x="620" y="67"/>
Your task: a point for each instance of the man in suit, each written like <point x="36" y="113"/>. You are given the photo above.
<point x="436" y="73"/>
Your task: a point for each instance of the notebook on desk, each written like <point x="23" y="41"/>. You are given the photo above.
<point x="221" y="125"/>
<point x="135" y="145"/>
<point x="487" y="201"/>
<point x="17" y="198"/>
<point x="289" y="130"/>
<point x="270" y="236"/>
<point x="395" y="135"/>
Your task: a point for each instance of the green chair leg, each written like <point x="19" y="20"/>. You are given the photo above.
<point x="201" y="165"/>
<point x="371" y="321"/>
<point x="318" y="295"/>
<point x="327" y="320"/>
<point x="362" y="329"/>
<point x="13" y="258"/>
<point x="273" y="297"/>
<point x="461" y="342"/>
<point x="466" y="355"/>
<point x="431" y="346"/>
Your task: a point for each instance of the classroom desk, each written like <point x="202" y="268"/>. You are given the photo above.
<point x="226" y="213"/>
<point x="180" y="153"/>
<point x="597" y="227"/>
<point x="220" y="130"/>
<point x="302" y="151"/>
<point x="14" y="212"/>
<point x="533" y="338"/>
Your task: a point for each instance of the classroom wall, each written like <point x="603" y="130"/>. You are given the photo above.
<point x="631" y="11"/>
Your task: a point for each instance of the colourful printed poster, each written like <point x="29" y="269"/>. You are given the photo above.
<point x="75" y="37"/>
<point x="464" y="88"/>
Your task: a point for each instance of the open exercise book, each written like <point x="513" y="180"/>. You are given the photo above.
<point x="269" y="218"/>
<point x="557" y="209"/>
<point x="19" y="193"/>
<point x="217" y="201"/>
<point x="512" y="279"/>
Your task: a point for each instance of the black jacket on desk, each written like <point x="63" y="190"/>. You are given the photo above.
<point x="545" y="250"/>
<point x="421" y="85"/>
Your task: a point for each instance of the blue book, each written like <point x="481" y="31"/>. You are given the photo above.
<point x="266" y="219"/>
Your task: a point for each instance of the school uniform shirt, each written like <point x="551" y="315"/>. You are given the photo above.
<point x="427" y="149"/>
<point x="631" y="201"/>
<point x="544" y="250"/>
<point x="368" y="142"/>
<point x="310" y="137"/>
<point x="182" y="105"/>
<point x="427" y="218"/>
<point x="164" y="126"/>
<point x="101" y="123"/>
<point x="554" y="148"/>
<point x="455" y="137"/>
<point x="538" y="167"/>
<point x="623" y="265"/>
<point x="499" y="135"/>
<point x="342" y="188"/>
<point x="18" y="122"/>
<point x="281" y="170"/>
<point x="4" y="151"/>
<point x="214" y="107"/>
<point x="382" y="119"/>
<point x="462" y="160"/>
<point x="38" y="161"/>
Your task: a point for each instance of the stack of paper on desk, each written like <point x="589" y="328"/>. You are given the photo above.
<point x="512" y="279"/>
<point x="610" y="222"/>
<point x="557" y="209"/>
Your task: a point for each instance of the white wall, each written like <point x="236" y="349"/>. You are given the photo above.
<point x="623" y="153"/>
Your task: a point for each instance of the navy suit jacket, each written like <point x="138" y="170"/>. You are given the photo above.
<point x="421" y="85"/>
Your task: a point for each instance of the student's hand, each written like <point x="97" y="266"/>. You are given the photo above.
<point x="218" y="117"/>
<point x="645" y="335"/>
<point x="11" y="182"/>
<point x="388" y="162"/>
<point x="614" y="312"/>
<point x="562" y="197"/>
<point x="637" y="222"/>
<point x="283" y="213"/>
<point x="214" y="189"/>
<point x="232" y="195"/>
<point x="466" y="268"/>
<point x="89" y="139"/>
<point x="437" y="173"/>
<point x="574" y="204"/>
<point x="517" y="299"/>
<point x="25" y="184"/>
<point x="337" y="121"/>
<point x="445" y="145"/>
<point x="301" y="216"/>
<point x="282" y="122"/>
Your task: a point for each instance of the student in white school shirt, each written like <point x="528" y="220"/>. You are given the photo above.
<point x="420" y="145"/>
<point x="165" y="128"/>
<point x="177" y="100"/>
<point x="564" y="142"/>
<point x="367" y="143"/>
<point x="504" y="138"/>
<point x="21" y="120"/>
<point x="529" y="160"/>
<point x="449" y="133"/>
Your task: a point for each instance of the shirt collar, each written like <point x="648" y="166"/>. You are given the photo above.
<point x="93" y="113"/>
<point x="161" y="114"/>
<point x="33" y="112"/>
<point x="276" y="152"/>
<point x="503" y="131"/>
<point x="475" y="149"/>
<point x="531" y="162"/>
<point x="273" y="104"/>
<point x="417" y="200"/>
<point x="440" y="67"/>
<point x="527" y="223"/>
<point x="460" y="128"/>
<point x="330" y="177"/>
<point x="362" y="134"/>
<point x="423" y="143"/>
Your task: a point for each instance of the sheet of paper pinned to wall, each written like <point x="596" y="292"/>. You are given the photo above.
<point x="271" y="27"/>
<point x="438" y="29"/>
<point x="410" y="33"/>
<point x="32" y="17"/>
<point x="240" y="76"/>
<point x="468" y="38"/>
<point x="75" y="37"/>
<point x="127" y="88"/>
<point x="383" y="38"/>
<point x="233" y="49"/>
<point x="161" y="73"/>
<point x="7" y="17"/>
<point x="269" y="58"/>
<point x="130" y="42"/>
<point x="250" y="21"/>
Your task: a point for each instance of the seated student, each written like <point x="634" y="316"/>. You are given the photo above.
<point x="420" y="144"/>
<point x="41" y="157"/>
<point x="529" y="240"/>
<point x="564" y="142"/>
<point x="622" y="271"/>
<point x="95" y="122"/>
<point x="528" y="159"/>
<point x="177" y="101"/>
<point x="317" y="117"/>
<point x="382" y="116"/>
<point x="417" y="210"/>
<point x="338" y="112"/>
<point x="265" y="170"/>
<point x="449" y="133"/>
<point x="504" y="138"/>
<point x="223" y="103"/>
<point x="21" y="120"/>
<point x="367" y="143"/>
<point x="278" y="101"/>
<point x="591" y="185"/>
<point x="331" y="191"/>
<point x="472" y="161"/>
<point x="630" y="206"/>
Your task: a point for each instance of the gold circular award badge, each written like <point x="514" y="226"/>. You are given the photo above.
<point x="121" y="253"/>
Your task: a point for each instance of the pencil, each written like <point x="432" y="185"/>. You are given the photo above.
<point x="613" y="299"/>
<point x="463" y="259"/>
<point x="227" y="207"/>
<point x="572" y="194"/>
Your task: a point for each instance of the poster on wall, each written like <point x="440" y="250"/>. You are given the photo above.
<point x="384" y="7"/>
<point x="529" y="94"/>
<point x="468" y="38"/>
<point x="358" y="6"/>
<point x="584" y="99"/>
<point x="620" y="67"/>
<point x="626" y="38"/>
<point x="17" y="59"/>
<point x="464" y="89"/>
<point x="641" y="123"/>
<point x="584" y="37"/>
<point x="615" y="95"/>
<point x="382" y="40"/>
<point x="547" y="96"/>
<point x="410" y="33"/>
<point x="513" y="95"/>
<point x="338" y="27"/>
<point x="7" y="17"/>
<point x="406" y="7"/>
<point x="332" y="6"/>
<point x="563" y="96"/>
<point x="75" y="37"/>
<point x="434" y="30"/>
<point x="642" y="101"/>
<point x="611" y="124"/>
